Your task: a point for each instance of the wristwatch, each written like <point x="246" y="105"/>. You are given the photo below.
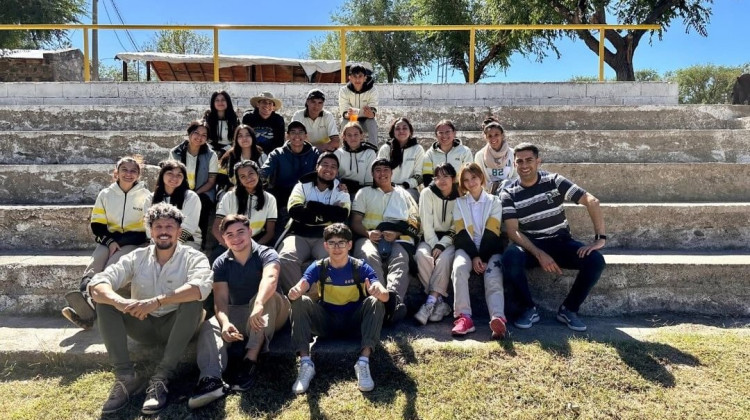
<point x="598" y="236"/>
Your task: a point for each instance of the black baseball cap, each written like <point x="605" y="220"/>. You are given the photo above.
<point x="296" y="124"/>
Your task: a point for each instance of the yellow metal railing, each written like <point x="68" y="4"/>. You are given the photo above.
<point x="342" y="32"/>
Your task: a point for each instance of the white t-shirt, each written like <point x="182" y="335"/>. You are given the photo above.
<point x="228" y="205"/>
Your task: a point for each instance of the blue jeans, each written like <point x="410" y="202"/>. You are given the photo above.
<point x="564" y="250"/>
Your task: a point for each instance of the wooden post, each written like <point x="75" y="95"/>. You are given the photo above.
<point x="124" y="71"/>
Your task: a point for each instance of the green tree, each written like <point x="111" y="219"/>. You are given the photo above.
<point x="395" y="55"/>
<point x="705" y="84"/>
<point x="180" y="41"/>
<point x="16" y="12"/>
<point x="694" y="13"/>
<point x="647" y="75"/>
<point x="493" y="48"/>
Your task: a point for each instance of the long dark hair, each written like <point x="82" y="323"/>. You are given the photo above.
<point x="241" y="193"/>
<point x="234" y="155"/>
<point x="397" y="151"/>
<point x="212" y="117"/>
<point x="178" y="196"/>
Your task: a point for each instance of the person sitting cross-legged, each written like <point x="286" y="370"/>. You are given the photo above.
<point x="386" y="219"/>
<point x="249" y="309"/>
<point x="168" y="282"/>
<point x="316" y="202"/>
<point x="351" y="301"/>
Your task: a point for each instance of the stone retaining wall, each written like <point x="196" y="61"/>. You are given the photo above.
<point x="54" y="66"/>
<point x="293" y="94"/>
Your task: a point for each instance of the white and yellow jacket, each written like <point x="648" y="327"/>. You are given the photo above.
<point x="456" y="156"/>
<point x="464" y="226"/>
<point x="436" y="215"/>
<point x="410" y="170"/>
<point x="117" y="216"/>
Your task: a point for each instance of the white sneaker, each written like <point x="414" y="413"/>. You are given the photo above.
<point x="424" y="313"/>
<point x="441" y="310"/>
<point x="305" y="375"/>
<point x="364" y="379"/>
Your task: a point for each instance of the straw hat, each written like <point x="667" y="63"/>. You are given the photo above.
<point x="265" y="96"/>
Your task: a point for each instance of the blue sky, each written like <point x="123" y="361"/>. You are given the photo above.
<point x="725" y="44"/>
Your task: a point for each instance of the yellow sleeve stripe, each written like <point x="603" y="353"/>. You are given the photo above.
<point x="493" y="225"/>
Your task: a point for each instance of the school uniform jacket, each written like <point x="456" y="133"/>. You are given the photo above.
<point x="456" y="156"/>
<point x="410" y="170"/>
<point x="436" y="215"/>
<point x="464" y="226"/>
<point x="117" y="215"/>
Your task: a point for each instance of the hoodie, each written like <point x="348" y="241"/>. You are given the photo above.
<point x="456" y="156"/>
<point x="284" y="168"/>
<point x="436" y="215"/>
<point x="117" y="215"/>
<point x="354" y="165"/>
<point x="409" y="170"/>
<point x="349" y="98"/>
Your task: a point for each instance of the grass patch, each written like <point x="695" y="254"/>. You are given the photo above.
<point x="671" y="374"/>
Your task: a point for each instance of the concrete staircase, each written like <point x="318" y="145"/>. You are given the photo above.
<point x="673" y="180"/>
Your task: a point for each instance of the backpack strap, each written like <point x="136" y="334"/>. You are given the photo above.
<point x="356" y="265"/>
<point x="322" y="276"/>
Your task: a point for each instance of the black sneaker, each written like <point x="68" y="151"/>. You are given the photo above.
<point x="395" y="310"/>
<point x="246" y="374"/>
<point x="208" y="390"/>
<point x="157" y="396"/>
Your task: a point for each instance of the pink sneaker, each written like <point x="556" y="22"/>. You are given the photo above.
<point x="497" y="325"/>
<point x="462" y="325"/>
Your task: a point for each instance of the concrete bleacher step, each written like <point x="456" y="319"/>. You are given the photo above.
<point x="610" y="182"/>
<point x="643" y="117"/>
<point x="60" y="184"/>
<point x="635" y="281"/>
<point x="573" y="146"/>
<point x="678" y="226"/>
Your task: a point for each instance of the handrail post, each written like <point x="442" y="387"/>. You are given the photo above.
<point x="86" y="66"/>
<point x="601" y="54"/>
<point x="342" y="45"/>
<point x="472" y="40"/>
<point x="216" y="54"/>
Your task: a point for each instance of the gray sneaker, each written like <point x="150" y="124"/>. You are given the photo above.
<point x="124" y="387"/>
<point x="424" y="313"/>
<point x="157" y="396"/>
<point x="527" y="319"/>
<point x="570" y="319"/>
<point x="441" y="310"/>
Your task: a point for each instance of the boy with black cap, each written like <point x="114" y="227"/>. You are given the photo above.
<point x="360" y="96"/>
<point x="316" y="202"/>
<point x="322" y="131"/>
<point x="286" y="165"/>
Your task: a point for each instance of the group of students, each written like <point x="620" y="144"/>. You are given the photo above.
<point x="397" y="210"/>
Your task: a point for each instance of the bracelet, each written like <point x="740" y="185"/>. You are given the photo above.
<point x="598" y="236"/>
<point x="158" y="301"/>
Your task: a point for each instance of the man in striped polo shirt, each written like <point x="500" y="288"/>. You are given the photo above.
<point x="536" y="224"/>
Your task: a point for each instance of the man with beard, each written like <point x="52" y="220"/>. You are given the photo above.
<point x="316" y="202"/>
<point x="168" y="281"/>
